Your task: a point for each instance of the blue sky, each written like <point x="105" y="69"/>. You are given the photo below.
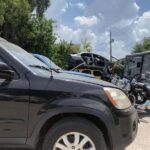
<point x="129" y="21"/>
<point x="144" y="6"/>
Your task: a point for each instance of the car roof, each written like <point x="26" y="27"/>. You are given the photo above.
<point x="2" y="39"/>
<point x="139" y="54"/>
<point x="79" y="55"/>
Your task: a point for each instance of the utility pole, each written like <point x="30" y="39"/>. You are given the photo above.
<point x="111" y="40"/>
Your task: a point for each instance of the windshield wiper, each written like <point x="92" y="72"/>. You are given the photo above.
<point x="40" y="67"/>
<point x="56" y="70"/>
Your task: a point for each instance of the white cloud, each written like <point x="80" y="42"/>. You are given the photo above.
<point x="136" y="6"/>
<point x="144" y="20"/>
<point x="64" y="9"/>
<point x="57" y="8"/>
<point x="120" y="16"/>
<point x="142" y="27"/>
<point x="120" y="49"/>
<point x="141" y="34"/>
<point x="99" y="43"/>
<point x="68" y="34"/>
<point x="80" y="5"/>
<point x="112" y="11"/>
<point x="123" y="23"/>
<point x="76" y="35"/>
<point x="86" y="21"/>
<point x="100" y="15"/>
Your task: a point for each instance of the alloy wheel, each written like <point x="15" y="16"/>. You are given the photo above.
<point x="74" y="141"/>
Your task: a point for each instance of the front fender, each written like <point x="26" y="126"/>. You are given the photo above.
<point x="74" y="105"/>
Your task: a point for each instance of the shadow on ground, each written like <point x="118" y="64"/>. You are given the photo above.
<point x="144" y="113"/>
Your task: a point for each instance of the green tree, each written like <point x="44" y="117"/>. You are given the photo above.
<point x="86" y="46"/>
<point x="39" y="36"/>
<point x="40" y="6"/>
<point x="15" y="15"/>
<point x="143" y="46"/>
<point x="2" y="11"/>
<point x="18" y="25"/>
<point x="61" y="53"/>
<point x="118" y="67"/>
<point x="33" y="32"/>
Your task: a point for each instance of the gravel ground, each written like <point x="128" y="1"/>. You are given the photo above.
<point x="142" y="141"/>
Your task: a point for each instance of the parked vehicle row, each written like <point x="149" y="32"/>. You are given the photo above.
<point x="60" y="110"/>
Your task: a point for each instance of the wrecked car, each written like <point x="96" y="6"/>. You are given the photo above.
<point x="91" y="63"/>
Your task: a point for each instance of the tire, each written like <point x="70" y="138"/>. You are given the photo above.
<point x="72" y="126"/>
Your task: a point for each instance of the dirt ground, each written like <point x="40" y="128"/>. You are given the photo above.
<point x="142" y="141"/>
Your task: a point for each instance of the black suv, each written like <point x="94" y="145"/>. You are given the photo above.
<point x="59" y="111"/>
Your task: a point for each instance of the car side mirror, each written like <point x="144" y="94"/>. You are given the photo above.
<point x="5" y="72"/>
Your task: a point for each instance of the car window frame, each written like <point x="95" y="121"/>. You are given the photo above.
<point x="16" y="74"/>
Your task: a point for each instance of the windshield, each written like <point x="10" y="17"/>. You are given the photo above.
<point x="26" y="58"/>
<point x="47" y="61"/>
<point x="53" y="65"/>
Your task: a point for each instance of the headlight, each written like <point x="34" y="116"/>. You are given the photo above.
<point x="117" y="98"/>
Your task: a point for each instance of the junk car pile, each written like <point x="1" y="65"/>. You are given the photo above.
<point x="136" y="77"/>
<point x="91" y="63"/>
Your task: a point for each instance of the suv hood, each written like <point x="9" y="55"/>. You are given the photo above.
<point x="89" y="80"/>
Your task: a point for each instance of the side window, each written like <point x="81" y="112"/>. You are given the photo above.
<point x="87" y="71"/>
<point x="97" y="73"/>
<point x="138" y="64"/>
<point x="1" y="61"/>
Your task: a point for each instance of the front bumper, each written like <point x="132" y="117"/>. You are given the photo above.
<point x="126" y="129"/>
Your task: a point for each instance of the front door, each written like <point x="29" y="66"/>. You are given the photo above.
<point x="14" y="103"/>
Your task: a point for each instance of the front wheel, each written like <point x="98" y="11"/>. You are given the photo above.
<point x="74" y="134"/>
